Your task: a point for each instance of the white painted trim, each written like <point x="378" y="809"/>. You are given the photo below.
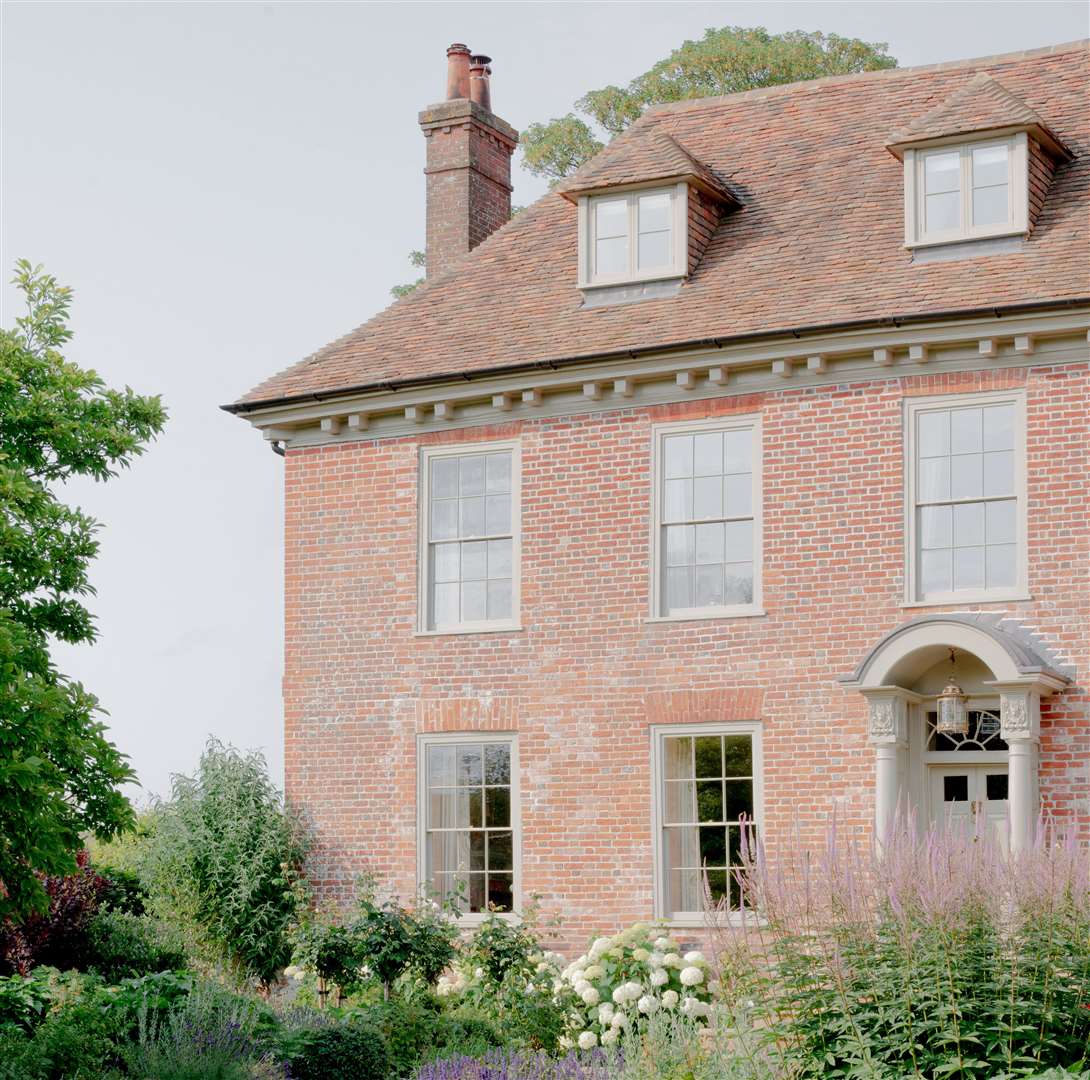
<point x="1017" y="222"/>
<point x="752" y="423"/>
<point x="913" y="406"/>
<point x="658" y="732"/>
<point x="423" y="741"/>
<point x="423" y="615"/>
<point x="679" y="235"/>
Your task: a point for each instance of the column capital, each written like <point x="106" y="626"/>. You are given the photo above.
<point x="1019" y="713"/>
<point x="888" y="719"/>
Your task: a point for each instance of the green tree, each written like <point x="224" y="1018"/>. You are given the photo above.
<point x="417" y="260"/>
<point x="59" y="774"/>
<point x="723" y="61"/>
<point x="223" y="863"/>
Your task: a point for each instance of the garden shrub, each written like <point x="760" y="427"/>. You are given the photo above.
<point x="79" y="1040"/>
<point x="122" y="946"/>
<point x="25" y="999"/>
<point x="944" y="957"/>
<point x="351" y="1050"/>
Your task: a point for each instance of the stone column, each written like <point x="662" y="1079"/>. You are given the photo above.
<point x="888" y="729"/>
<point x="1020" y="714"/>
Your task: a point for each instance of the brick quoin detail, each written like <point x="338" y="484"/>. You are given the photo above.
<point x="588" y="673"/>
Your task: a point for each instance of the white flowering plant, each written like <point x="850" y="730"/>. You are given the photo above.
<point x="624" y="979"/>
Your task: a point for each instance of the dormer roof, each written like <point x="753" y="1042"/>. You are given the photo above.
<point x="980" y="105"/>
<point x="644" y="156"/>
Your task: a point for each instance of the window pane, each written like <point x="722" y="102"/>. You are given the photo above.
<point x="737" y="755"/>
<point x="654" y="250"/>
<point x="737" y="451"/>
<point x="500" y="891"/>
<point x="476" y="892"/>
<point x="497" y="763"/>
<point x="934" y="474"/>
<point x="477" y="851"/>
<point x="678" y="500"/>
<point x="969" y="524"/>
<point x="709" y="800"/>
<point x="471" y="517"/>
<point x="499" y="558"/>
<point x="708" y="542"/>
<point x="739" y="541"/>
<point x="708" y="497"/>
<point x="498" y="473"/>
<point x="955" y="789"/>
<point x="999" y="427"/>
<point x="444" y="519"/>
<point x="680" y="801"/>
<point x="935" y="571"/>
<point x="499" y="599"/>
<point x="1002" y="566"/>
<point x="610" y="217"/>
<point x="996" y="787"/>
<point x="969" y="568"/>
<point x="936" y="527"/>
<point x="708" y="756"/>
<point x="678" y="452"/>
<point x="738" y="495"/>
<point x="1000" y="522"/>
<point x="446" y="562"/>
<point x="611" y="256"/>
<point x="686" y="890"/>
<point x="739" y="585"/>
<point x="678" y="588"/>
<point x="965" y="476"/>
<point x="500" y="855"/>
<point x="679" y="545"/>
<point x="933" y="429"/>
<point x="677" y="758"/>
<point x="989" y="166"/>
<point x="709" y="586"/>
<point x="942" y="212"/>
<point x="444" y="478"/>
<point x="469" y="764"/>
<point x="497" y="515"/>
<point x="497" y="807"/>
<point x="999" y="473"/>
<point x="713" y="846"/>
<point x="739" y="799"/>
<point x="942" y="172"/>
<point x="708" y="454"/>
<point x="990" y="206"/>
<point x="654" y="211"/>
<point x="474" y="601"/>
<point x="445" y="604"/>
<point x="966" y="431"/>
<point x="471" y="475"/>
<point x="474" y="561"/>
<point x="441" y="765"/>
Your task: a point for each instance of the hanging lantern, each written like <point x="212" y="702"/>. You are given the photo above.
<point x="953" y="718"/>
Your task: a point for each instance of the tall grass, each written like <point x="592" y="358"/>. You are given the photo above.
<point x="940" y="957"/>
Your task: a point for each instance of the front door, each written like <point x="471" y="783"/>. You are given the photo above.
<point x="971" y="795"/>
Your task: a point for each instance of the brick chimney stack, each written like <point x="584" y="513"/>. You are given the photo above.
<point x="468" y="162"/>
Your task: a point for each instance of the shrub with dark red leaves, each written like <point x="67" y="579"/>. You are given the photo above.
<point x="58" y="937"/>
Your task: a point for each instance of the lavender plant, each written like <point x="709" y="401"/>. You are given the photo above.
<point x="931" y="958"/>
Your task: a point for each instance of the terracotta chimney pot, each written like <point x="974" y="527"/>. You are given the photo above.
<point x="457" y="72"/>
<point x="479" y="77"/>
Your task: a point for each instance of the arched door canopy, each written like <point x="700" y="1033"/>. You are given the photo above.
<point x="1011" y="653"/>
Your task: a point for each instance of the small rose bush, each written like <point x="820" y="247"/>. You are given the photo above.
<point x="623" y="980"/>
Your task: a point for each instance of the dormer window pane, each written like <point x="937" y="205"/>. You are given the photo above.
<point x="654" y="231"/>
<point x="990" y="171"/>
<point x="633" y="237"/>
<point x="611" y="236"/>
<point x="942" y="179"/>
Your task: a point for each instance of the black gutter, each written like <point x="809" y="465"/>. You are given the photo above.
<point x="241" y="407"/>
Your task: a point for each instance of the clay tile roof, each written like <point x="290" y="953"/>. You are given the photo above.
<point x="642" y="156"/>
<point x="981" y="104"/>
<point x="818" y="241"/>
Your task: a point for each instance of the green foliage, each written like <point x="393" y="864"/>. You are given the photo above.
<point x="345" y="1051"/>
<point x="79" y="1041"/>
<point x="417" y="259"/>
<point x="223" y="863"/>
<point x="123" y="946"/>
<point x="24" y="999"/>
<point x="59" y="774"/>
<point x="723" y="61"/>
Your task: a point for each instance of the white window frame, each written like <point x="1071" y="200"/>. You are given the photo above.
<point x="659" y="733"/>
<point x="752" y="423"/>
<point x="484" y="626"/>
<point x="1017" y="190"/>
<point x="915" y="406"/>
<point x="423" y="741"/>
<point x="679" y="227"/>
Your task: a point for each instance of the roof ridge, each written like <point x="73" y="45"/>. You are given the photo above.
<point x="776" y="90"/>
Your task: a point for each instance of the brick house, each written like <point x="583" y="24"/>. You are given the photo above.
<point x="741" y="478"/>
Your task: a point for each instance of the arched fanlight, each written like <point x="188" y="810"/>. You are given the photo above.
<point x="953" y="718"/>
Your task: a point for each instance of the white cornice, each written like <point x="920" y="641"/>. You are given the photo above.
<point x="782" y="364"/>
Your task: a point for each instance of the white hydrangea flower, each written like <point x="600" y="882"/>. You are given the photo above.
<point x="662" y="943"/>
<point x="620" y="1020"/>
<point x="694" y="957"/>
<point x="647" y="1004"/>
<point x="656" y="959"/>
<point x="600" y="946"/>
<point x="479" y="973"/>
<point x="671" y="960"/>
<point x="634" y="989"/>
<point x="691" y="976"/>
<point x="617" y="953"/>
<point x="558" y="985"/>
<point x="564" y="1042"/>
<point x="590" y="996"/>
<point x="605" y="1012"/>
<point x="582" y="985"/>
<point x="541" y="967"/>
<point x="587" y="1040"/>
<point x="610" y="1036"/>
<point x="595" y="971"/>
<point x="640" y="955"/>
<point x="669" y="999"/>
<point x="660" y="977"/>
<point x="620" y="995"/>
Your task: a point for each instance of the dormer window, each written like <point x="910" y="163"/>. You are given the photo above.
<point x="966" y="191"/>
<point x="634" y="236"/>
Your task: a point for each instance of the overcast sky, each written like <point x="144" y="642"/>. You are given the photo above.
<point x="228" y="186"/>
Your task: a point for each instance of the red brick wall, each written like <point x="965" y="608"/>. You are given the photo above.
<point x="584" y="679"/>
